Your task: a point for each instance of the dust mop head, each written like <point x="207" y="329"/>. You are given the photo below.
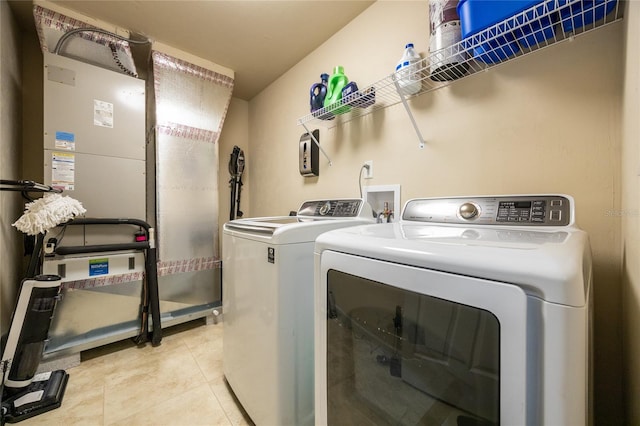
<point x="48" y="212"/>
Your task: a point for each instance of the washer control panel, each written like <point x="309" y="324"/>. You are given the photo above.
<point x="331" y="208"/>
<point x="516" y="210"/>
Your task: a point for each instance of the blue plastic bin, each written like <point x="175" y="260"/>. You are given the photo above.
<point x="535" y="30"/>
<point x="496" y="49"/>
<point x="527" y="30"/>
<point x="584" y="12"/>
<point x="477" y="15"/>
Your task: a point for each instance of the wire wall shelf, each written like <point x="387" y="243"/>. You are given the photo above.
<point x="544" y="24"/>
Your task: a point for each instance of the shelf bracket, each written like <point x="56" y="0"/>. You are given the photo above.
<point x="313" y="138"/>
<point x="406" y="107"/>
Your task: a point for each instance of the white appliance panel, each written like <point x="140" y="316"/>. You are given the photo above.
<point x="504" y="301"/>
<point x="268" y="307"/>
<point x="102" y="109"/>
<point x="534" y="278"/>
<point x="94" y="143"/>
<point x="266" y="310"/>
<point x="547" y="264"/>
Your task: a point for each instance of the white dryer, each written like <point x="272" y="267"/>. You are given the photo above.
<point x="470" y="310"/>
<point x="267" y="295"/>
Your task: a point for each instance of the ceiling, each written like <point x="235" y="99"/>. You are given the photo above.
<point x="259" y="40"/>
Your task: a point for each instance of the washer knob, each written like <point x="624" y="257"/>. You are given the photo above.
<point x="326" y="207"/>
<point x="468" y="211"/>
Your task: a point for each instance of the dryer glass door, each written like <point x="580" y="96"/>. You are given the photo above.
<point x="401" y="352"/>
<point x="409" y="357"/>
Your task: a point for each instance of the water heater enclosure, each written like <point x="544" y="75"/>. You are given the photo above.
<point x="308" y="154"/>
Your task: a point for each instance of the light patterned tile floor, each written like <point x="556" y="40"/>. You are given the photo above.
<point x="179" y="383"/>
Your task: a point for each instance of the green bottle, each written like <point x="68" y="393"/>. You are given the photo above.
<point x="337" y="81"/>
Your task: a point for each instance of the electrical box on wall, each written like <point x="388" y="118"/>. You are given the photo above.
<point x="308" y="154"/>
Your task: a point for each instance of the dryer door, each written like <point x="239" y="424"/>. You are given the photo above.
<point x="403" y="345"/>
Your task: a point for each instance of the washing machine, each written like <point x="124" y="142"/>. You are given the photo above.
<point x="470" y="310"/>
<point x="267" y="289"/>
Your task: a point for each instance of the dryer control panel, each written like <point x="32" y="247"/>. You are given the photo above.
<point x="508" y="210"/>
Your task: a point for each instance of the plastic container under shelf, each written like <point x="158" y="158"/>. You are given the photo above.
<point x="494" y="45"/>
<point x="584" y="12"/>
<point x="477" y="15"/>
<point x="502" y="41"/>
<point x="536" y="26"/>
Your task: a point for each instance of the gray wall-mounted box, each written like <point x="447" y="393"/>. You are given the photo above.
<point x="308" y="152"/>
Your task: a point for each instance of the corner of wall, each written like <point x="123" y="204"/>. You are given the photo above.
<point x="10" y="202"/>
<point x="629" y="215"/>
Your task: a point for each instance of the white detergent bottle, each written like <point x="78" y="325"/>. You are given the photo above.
<point x="408" y="71"/>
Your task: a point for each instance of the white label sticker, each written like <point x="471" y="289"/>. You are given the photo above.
<point x="102" y="113"/>
<point x="29" y="398"/>
<point x="63" y="170"/>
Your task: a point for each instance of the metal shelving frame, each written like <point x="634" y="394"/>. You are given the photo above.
<point x="514" y="37"/>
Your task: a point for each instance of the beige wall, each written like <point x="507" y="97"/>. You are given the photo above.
<point x="630" y="213"/>
<point x="11" y="203"/>
<point x="549" y="122"/>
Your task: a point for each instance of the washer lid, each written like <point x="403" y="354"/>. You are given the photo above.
<point x="553" y="265"/>
<point x="313" y="218"/>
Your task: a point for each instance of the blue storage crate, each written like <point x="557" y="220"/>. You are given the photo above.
<point x="584" y="12"/>
<point x="528" y="30"/>
<point x="493" y="46"/>
<point x="537" y="26"/>
<point x="477" y="15"/>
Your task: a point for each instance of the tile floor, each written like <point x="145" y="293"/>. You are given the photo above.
<point x="179" y="382"/>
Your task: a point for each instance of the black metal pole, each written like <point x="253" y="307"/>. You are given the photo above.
<point x="232" y="210"/>
<point x="154" y="297"/>
<point x="238" y="211"/>
<point x="32" y="269"/>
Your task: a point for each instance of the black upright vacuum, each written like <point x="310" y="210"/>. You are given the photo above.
<point x="236" y="168"/>
<point x="24" y="393"/>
